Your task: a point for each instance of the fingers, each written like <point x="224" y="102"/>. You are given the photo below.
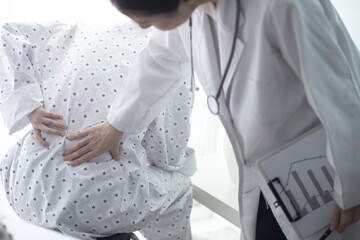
<point x="74" y="148"/>
<point x="335" y="220"/>
<point x="53" y="123"/>
<point x="84" y="158"/>
<point x="81" y="150"/>
<point x="85" y="154"/>
<point x="54" y="115"/>
<point x="357" y="215"/>
<point x="115" y="153"/>
<point x="40" y="139"/>
<point x="52" y="131"/>
<point x="78" y="135"/>
<point x="343" y="218"/>
<point x="96" y="140"/>
<point x="47" y="122"/>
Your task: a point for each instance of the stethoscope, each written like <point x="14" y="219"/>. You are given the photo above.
<point x="213" y="100"/>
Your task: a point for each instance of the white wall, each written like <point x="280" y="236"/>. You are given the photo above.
<point x="93" y="11"/>
<point x="349" y="12"/>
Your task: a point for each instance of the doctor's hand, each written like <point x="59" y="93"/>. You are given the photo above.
<point x="343" y="218"/>
<point x="47" y="122"/>
<point x="95" y="140"/>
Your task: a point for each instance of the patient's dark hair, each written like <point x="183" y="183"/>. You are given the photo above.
<point x="148" y="6"/>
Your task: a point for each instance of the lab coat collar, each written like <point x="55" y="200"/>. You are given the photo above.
<point x="215" y="44"/>
<point x="226" y="15"/>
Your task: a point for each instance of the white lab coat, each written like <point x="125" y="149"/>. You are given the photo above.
<point x="295" y="66"/>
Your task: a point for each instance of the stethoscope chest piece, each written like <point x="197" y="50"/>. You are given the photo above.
<point x="212" y="101"/>
<point x="213" y="104"/>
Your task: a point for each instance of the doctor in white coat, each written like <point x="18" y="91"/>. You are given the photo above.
<point x="294" y="67"/>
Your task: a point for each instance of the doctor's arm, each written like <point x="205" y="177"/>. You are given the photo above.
<point x="21" y="98"/>
<point x="307" y="41"/>
<point x="158" y="72"/>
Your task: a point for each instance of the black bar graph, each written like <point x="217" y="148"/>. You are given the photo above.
<point x="308" y="198"/>
<point x="325" y="195"/>
<point x="327" y="175"/>
<point x="301" y="211"/>
<point x="306" y="179"/>
<point x="314" y="204"/>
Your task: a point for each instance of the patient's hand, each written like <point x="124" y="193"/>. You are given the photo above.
<point x="343" y="218"/>
<point x="45" y="121"/>
<point x="95" y="141"/>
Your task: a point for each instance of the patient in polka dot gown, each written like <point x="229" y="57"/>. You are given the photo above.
<point x="76" y="71"/>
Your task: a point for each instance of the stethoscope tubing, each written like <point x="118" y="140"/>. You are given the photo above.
<point x="213" y="101"/>
<point x="232" y="49"/>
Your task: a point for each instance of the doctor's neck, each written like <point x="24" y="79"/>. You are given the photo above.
<point x="197" y="3"/>
<point x="203" y="1"/>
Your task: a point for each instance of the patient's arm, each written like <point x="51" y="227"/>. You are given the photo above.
<point x="22" y="97"/>
<point x="45" y="121"/>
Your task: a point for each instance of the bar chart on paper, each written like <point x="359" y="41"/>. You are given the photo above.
<point x="309" y="184"/>
<point x="306" y="178"/>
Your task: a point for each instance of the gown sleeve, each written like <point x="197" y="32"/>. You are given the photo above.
<point x="20" y="77"/>
<point x="160" y="69"/>
<point x="317" y="47"/>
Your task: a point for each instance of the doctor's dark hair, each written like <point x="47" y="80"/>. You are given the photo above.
<point x="148" y="6"/>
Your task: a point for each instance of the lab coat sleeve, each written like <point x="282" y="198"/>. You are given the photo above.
<point x="160" y="69"/>
<point x="303" y="34"/>
<point x="20" y="91"/>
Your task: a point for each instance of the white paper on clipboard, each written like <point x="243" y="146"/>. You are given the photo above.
<point x="306" y="179"/>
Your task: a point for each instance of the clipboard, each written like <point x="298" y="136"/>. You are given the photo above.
<point x="300" y="180"/>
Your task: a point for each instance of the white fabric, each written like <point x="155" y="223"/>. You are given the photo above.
<point x="295" y="66"/>
<point x="79" y="70"/>
<point x="16" y="108"/>
<point x="20" y="91"/>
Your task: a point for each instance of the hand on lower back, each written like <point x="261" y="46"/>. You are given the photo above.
<point x="46" y="122"/>
<point x="94" y="141"/>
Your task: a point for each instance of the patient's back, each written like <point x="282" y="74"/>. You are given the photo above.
<point x="80" y="70"/>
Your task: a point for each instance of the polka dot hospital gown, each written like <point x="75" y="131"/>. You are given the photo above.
<point x="76" y="71"/>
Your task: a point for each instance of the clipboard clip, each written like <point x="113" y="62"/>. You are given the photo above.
<point x="283" y="200"/>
